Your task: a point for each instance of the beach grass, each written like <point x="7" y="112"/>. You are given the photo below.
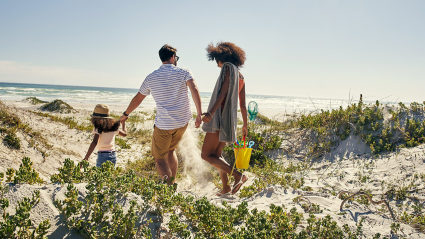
<point x="57" y="106"/>
<point x="70" y="122"/>
<point x="35" y="101"/>
<point x="10" y="123"/>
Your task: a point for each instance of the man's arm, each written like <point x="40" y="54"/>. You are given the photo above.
<point x="196" y="99"/>
<point x="134" y="103"/>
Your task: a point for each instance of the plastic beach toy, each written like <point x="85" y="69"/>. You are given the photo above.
<point x="243" y="154"/>
<point x="252" y="110"/>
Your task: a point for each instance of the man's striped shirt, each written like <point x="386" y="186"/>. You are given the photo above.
<point x="169" y="90"/>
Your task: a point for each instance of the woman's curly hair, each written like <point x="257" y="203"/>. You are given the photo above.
<point x="104" y="125"/>
<point x="226" y="52"/>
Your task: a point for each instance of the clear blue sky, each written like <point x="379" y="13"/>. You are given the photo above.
<point x="294" y="48"/>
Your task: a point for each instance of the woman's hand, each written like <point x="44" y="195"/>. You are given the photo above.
<point x="244" y="131"/>
<point x="207" y="117"/>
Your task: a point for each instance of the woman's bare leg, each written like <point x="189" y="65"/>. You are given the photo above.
<point x="211" y="152"/>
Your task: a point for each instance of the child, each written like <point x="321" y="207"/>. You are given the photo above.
<point x="105" y="129"/>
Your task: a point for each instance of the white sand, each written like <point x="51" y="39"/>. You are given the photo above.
<point x="340" y="170"/>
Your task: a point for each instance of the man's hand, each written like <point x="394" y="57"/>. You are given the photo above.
<point x="207" y="117"/>
<point x="123" y="118"/>
<point x="198" y="121"/>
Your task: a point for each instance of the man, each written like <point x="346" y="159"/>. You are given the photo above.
<point x="168" y="86"/>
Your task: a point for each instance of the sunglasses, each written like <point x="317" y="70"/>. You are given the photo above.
<point x="177" y="58"/>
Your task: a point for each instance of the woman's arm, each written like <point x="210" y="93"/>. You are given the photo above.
<point x="242" y="105"/>
<point x="223" y="93"/>
<point x="92" y="147"/>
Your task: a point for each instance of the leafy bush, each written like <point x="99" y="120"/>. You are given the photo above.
<point x="265" y="141"/>
<point x="57" y="106"/>
<point x="71" y="173"/>
<point x="11" y="123"/>
<point x="12" y="141"/>
<point x="100" y="213"/>
<point x="35" y="101"/>
<point x="272" y="173"/>
<point x="25" y="173"/>
<point x="19" y="225"/>
<point x="122" y="143"/>
<point x="328" y="128"/>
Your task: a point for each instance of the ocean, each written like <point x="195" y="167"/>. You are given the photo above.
<point x="276" y="107"/>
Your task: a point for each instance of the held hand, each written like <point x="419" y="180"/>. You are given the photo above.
<point x="244" y="131"/>
<point x="198" y="121"/>
<point x="207" y="117"/>
<point x="123" y="118"/>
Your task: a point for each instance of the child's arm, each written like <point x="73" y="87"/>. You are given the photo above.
<point x="92" y="147"/>
<point x="123" y="132"/>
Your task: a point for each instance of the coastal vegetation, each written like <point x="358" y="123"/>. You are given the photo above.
<point x="98" y="215"/>
<point x="19" y="223"/>
<point x="57" y="106"/>
<point x="383" y="128"/>
<point x="35" y="101"/>
<point x="132" y="202"/>
<point x="11" y="124"/>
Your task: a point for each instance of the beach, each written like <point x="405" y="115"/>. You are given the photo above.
<point x="348" y="167"/>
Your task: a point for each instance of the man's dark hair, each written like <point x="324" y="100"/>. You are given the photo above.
<point x="166" y="52"/>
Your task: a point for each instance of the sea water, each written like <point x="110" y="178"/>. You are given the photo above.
<point x="276" y="107"/>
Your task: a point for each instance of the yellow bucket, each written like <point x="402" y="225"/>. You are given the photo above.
<point x="242" y="156"/>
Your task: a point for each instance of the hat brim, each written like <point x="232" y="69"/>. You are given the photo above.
<point x="101" y="117"/>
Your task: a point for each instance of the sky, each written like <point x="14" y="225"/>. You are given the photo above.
<point x="320" y="49"/>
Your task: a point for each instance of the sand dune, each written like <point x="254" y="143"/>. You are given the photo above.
<point x="349" y="167"/>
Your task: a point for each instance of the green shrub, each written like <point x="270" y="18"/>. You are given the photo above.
<point x="12" y="141"/>
<point x="57" y="106"/>
<point x="122" y="143"/>
<point x="272" y="173"/>
<point x="100" y="215"/>
<point x="35" y="101"/>
<point x="19" y="224"/>
<point x="26" y="174"/>
<point x="328" y="128"/>
<point x="10" y="124"/>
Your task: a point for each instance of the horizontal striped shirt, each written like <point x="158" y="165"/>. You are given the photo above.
<point x="169" y="90"/>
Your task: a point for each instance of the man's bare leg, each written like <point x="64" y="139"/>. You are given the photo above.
<point x="173" y="164"/>
<point x="163" y="169"/>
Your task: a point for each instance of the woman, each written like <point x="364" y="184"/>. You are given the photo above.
<point x="220" y="122"/>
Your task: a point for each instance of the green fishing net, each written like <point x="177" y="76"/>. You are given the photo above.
<point x="252" y="110"/>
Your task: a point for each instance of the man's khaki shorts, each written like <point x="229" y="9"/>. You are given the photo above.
<point x="165" y="140"/>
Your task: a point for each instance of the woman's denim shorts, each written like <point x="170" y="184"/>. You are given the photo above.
<point x="102" y="157"/>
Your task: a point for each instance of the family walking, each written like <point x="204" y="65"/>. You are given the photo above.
<point x="168" y="86"/>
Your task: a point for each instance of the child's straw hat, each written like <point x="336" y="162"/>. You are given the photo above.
<point x="101" y="111"/>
